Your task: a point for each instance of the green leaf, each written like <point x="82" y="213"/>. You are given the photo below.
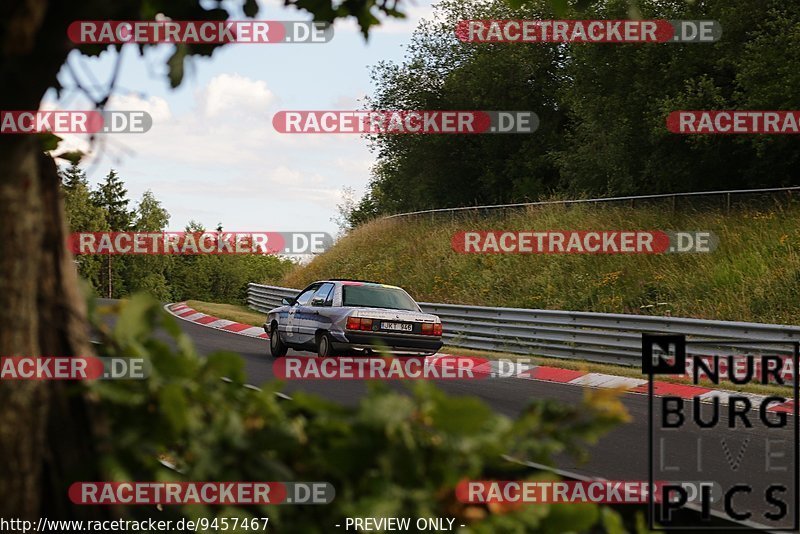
<point x="462" y="415"/>
<point x="583" y="5"/>
<point x="387" y="411"/>
<point x="73" y="156"/>
<point x="173" y="404"/>
<point x="560" y="7"/>
<point x="49" y="141"/>
<point x="571" y="517"/>
<point x="176" y="64"/>
<point x="321" y="9"/>
<point x="250" y="8"/>
<point x="612" y="521"/>
<point x="226" y="364"/>
<point x="133" y="321"/>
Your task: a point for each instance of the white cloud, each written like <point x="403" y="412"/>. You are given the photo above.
<point x="361" y="166"/>
<point x="157" y="107"/>
<point x="235" y="94"/>
<point x="219" y="158"/>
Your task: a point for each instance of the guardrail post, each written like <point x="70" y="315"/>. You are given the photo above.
<point x="727" y="202"/>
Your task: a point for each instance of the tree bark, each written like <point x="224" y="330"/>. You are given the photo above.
<point x="45" y="433"/>
<point x="23" y="404"/>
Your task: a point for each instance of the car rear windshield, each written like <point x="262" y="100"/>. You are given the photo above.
<point x="377" y="297"/>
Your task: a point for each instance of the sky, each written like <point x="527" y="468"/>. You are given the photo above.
<point x="212" y="154"/>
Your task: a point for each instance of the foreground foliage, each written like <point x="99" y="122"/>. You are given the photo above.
<point x="391" y="455"/>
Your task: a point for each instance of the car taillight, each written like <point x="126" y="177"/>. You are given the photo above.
<point x="432" y="329"/>
<point x="359" y="323"/>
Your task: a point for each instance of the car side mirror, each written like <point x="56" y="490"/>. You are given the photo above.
<point x="288" y="301"/>
<point x="318" y="301"/>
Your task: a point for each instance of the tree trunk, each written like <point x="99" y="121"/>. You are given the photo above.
<point x="45" y="433"/>
<point x="23" y="404"/>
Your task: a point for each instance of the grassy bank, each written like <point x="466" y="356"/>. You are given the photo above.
<point x="754" y="274"/>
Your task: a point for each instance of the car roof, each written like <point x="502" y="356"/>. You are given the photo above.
<point x="352" y="281"/>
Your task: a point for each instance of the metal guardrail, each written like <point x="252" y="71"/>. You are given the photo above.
<point x="264" y="298"/>
<point x="597" y="337"/>
<point x="630" y="199"/>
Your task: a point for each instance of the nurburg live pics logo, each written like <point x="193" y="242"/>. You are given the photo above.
<point x="747" y="447"/>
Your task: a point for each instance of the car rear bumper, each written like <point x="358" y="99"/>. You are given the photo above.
<point x="392" y="342"/>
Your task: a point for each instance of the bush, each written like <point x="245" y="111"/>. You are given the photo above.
<point x="391" y="455"/>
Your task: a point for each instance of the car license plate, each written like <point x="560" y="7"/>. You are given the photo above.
<point x="399" y="327"/>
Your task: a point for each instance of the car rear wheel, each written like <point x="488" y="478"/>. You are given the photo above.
<point x="276" y="344"/>
<point x="325" y="346"/>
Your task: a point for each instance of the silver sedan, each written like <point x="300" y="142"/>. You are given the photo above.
<point x="335" y="317"/>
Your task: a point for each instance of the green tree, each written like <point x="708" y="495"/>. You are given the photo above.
<point x="602" y="108"/>
<point x="440" y="72"/>
<point x="352" y="213"/>
<point x="150" y="215"/>
<point x="150" y="273"/>
<point x="74" y="177"/>
<point x="112" y="197"/>
<point x="83" y="216"/>
<point x="222" y="277"/>
<point x="619" y="98"/>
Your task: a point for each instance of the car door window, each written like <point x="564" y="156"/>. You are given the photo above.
<point x="305" y="296"/>
<point x="322" y="294"/>
<point x="329" y="298"/>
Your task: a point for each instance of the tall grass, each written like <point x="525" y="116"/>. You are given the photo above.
<point x="754" y="274"/>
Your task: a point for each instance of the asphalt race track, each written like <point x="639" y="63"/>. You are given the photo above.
<point x="620" y="455"/>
